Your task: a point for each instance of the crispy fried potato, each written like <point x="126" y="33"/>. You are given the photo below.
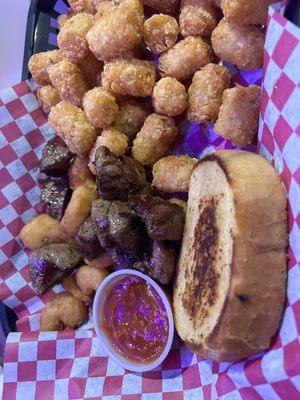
<point x="78" y="209"/>
<point x="41" y="231"/>
<point x="172" y="174"/>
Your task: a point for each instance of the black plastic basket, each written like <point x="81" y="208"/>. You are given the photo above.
<point x="41" y="32"/>
<point x="41" y="35"/>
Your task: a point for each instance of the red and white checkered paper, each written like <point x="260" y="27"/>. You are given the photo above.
<point x="71" y="364"/>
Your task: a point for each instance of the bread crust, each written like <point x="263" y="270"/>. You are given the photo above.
<point x="255" y="298"/>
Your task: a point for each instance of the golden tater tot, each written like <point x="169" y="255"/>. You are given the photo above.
<point x="68" y="80"/>
<point x="239" y="45"/>
<point x="160" y="32"/>
<point x="205" y="93"/>
<point x="185" y="58"/>
<point x="169" y="97"/>
<point x="72" y="125"/>
<point x="129" y="77"/>
<point x="88" y="278"/>
<point x="91" y="69"/>
<point x="154" y="139"/>
<point x="63" y="18"/>
<point x="246" y="12"/>
<point x="48" y="96"/>
<point x="62" y="310"/>
<point x="118" y="31"/>
<point x="70" y="285"/>
<point x="130" y="117"/>
<point x="79" y="173"/>
<point x="87" y="6"/>
<point x="172" y="174"/>
<point x="114" y="140"/>
<point x="197" y="17"/>
<point x="41" y="231"/>
<point x="238" y="117"/>
<point x="72" y="37"/>
<point x="39" y="63"/>
<point x="163" y="6"/>
<point x="78" y="209"/>
<point x="106" y="7"/>
<point x="100" y="107"/>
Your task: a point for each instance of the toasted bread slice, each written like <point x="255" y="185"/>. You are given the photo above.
<point x="229" y="290"/>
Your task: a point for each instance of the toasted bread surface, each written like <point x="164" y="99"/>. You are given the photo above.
<point x="229" y="290"/>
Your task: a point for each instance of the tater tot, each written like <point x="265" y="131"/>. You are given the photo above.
<point x="197" y="17"/>
<point x="130" y="117"/>
<point x="100" y="107"/>
<point x="41" y="231"/>
<point x="72" y="125"/>
<point x="129" y="77"/>
<point x="239" y="45"/>
<point x="63" y="18"/>
<point x="164" y="6"/>
<point x="91" y="69"/>
<point x="39" y="63"/>
<point x="118" y="31"/>
<point x="172" y="174"/>
<point x="246" y="12"/>
<point x="78" y="209"/>
<point x="114" y="140"/>
<point x="169" y="97"/>
<point x="68" y="80"/>
<point x="72" y="37"/>
<point x="185" y="58"/>
<point x="48" y="96"/>
<point x="154" y="139"/>
<point x="160" y="32"/>
<point x="205" y="93"/>
<point x="87" y="6"/>
<point x="105" y="7"/>
<point x="79" y="173"/>
<point x="238" y="117"/>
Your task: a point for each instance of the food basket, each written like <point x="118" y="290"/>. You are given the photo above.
<point x="71" y="364"/>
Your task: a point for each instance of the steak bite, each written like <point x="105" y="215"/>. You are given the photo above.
<point x="160" y="265"/>
<point x="50" y="264"/>
<point x="87" y="239"/>
<point x="55" y="159"/>
<point x="164" y="220"/>
<point x="118" y="225"/>
<point x="117" y="177"/>
<point x="55" y="196"/>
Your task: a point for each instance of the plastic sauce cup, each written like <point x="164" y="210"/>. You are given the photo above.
<point x="103" y="291"/>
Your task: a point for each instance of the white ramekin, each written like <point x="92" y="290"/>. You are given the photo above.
<point x="103" y="291"/>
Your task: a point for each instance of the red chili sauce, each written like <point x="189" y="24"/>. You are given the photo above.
<point x="135" y="320"/>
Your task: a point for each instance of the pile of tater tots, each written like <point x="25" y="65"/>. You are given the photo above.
<point x="123" y="71"/>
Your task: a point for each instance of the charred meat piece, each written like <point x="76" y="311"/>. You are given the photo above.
<point x="164" y="220"/>
<point x="99" y="213"/>
<point x="50" y="264"/>
<point x="55" y="159"/>
<point x="117" y="177"/>
<point x="126" y="228"/>
<point x="55" y="196"/>
<point x="118" y="225"/>
<point x="87" y="239"/>
<point x="161" y="263"/>
<point x="122" y="258"/>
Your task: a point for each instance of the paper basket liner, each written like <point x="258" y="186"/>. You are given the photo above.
<point x="71" y="364"/>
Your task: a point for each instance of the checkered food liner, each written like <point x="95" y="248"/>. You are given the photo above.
<point x="71" y="364"/>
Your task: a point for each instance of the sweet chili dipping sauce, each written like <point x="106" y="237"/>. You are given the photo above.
<point x="135" y="319"/>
